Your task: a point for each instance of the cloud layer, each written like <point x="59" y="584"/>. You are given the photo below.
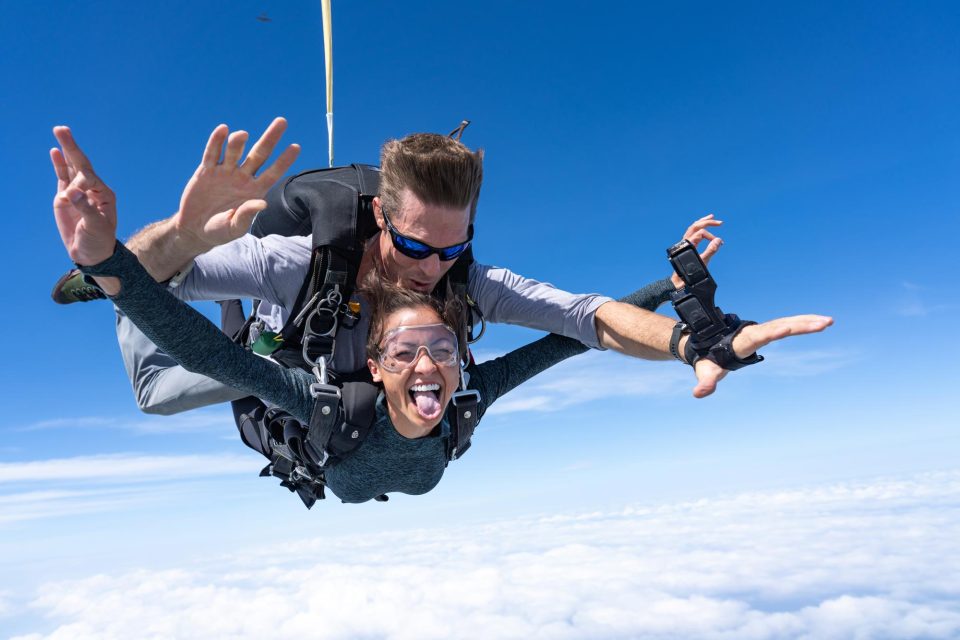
<point x="872" y="560"/>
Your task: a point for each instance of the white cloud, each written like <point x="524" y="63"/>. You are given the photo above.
<point x="596" y="375"/>
<point x="786" y="362"/>
<point x="6" y="606"/>
<point x="197" y="421"/>
<point x="593" y="376"/>
<point x="914" y="303"/>
<point x="33" y="505"/>
<point x="103" y="483"/>
<point x="122" y="467"/>
<point x="870" y="560"/>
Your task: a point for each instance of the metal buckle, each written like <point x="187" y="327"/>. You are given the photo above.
<point x="300" y="474"/>
<point x="471" y="308"/>
<point x="319" y="314"/>
<point x="327" y="307"/>
<point x="483" y="329"/>
<point x="459" y="396"/>
<point x="318" y="389"/>
<point x="306" y="344"/>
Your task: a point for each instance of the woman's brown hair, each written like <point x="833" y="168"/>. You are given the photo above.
<point x="384" y="298"/>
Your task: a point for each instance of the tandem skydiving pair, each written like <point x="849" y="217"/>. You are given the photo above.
<point x="354" y="373"/>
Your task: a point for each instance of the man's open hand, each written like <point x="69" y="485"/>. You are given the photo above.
<point x="754" y="337"/>
<point x="222" y="197"/>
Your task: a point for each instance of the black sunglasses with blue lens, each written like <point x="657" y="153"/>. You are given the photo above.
<point x="420" y="250"/>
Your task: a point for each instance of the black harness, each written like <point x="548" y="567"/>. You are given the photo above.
<point x="336" y="207"/>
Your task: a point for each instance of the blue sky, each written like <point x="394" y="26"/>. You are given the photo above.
<point x="824" y="135"/>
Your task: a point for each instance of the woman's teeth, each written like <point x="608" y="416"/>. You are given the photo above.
<point x="425" y="387"/>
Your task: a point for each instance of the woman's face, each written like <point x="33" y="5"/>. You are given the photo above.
<point x="417" y="395"/>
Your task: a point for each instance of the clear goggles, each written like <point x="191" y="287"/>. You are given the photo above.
<point x="400" y="347"/>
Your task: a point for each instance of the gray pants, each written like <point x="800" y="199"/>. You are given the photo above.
<point x="160" y="385"/>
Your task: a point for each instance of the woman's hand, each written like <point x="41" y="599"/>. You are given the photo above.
<point x="84" y="207"/>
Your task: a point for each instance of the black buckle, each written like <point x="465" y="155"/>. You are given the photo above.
<point x="309" y="488"/>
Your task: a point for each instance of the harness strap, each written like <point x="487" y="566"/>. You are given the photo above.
<point x="323" y="420"/>
<point x="249" y="414"/>
<point x="359" y="402"/>
<point x="463" y="422"/>
<point x="308" y="484"/>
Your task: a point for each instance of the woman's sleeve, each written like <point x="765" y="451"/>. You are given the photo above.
<point x="194" y="342"/>
<point x="496" y="377"/>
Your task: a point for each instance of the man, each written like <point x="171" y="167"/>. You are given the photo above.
<point x="429" y="190"/>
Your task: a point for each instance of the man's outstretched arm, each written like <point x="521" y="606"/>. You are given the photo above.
<point x="634" y="331"/>
<point x="218" y="203"/>
<point x="643" y="334"/>
<point x="638" y="332"/>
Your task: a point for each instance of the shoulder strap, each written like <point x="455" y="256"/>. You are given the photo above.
<point x="339" y="203"/>
<point x="340" y="422"/>
<point x="462" y="414"/>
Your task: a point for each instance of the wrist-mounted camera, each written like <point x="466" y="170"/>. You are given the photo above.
<point x="711" y="331"/>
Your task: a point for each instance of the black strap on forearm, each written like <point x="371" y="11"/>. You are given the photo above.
<point x="722" y="352"/>
<point x="711" y="331"/>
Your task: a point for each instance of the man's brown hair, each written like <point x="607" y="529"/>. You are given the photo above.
<point x="437" y="169"/>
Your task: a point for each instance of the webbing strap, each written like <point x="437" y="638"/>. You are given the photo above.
<point x="324" y="419"/>
<point x="359" y="402"/>
<point x="309" y="486"/>
<point x="463" y="423"/>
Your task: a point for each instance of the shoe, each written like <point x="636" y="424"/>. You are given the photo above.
<point x="71" y="287"/>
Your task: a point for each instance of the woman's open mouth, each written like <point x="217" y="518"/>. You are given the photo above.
<point x="426" y="397"/>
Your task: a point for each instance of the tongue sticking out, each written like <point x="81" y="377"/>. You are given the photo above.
<point x="428" y="406"/>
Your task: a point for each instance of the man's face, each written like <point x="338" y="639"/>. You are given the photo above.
<point x="434" y="225"/>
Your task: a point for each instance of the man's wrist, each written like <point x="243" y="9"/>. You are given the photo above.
<point x="184" y="237"/>
<point x="165" y="247"/>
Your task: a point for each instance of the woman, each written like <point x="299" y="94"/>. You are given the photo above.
<point x="412" y="351"/>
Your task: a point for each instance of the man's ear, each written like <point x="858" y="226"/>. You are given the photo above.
<point x="378" y="213"/>
<point x="374" y="370"/>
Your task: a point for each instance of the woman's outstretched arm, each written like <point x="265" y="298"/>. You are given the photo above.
<point x="500" y="375"/>
<point x="86" y="215"/>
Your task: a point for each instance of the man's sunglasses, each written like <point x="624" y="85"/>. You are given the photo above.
<point x="420" y="250"/>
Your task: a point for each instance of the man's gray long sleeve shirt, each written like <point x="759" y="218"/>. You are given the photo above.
<point x="273" y="269"/>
